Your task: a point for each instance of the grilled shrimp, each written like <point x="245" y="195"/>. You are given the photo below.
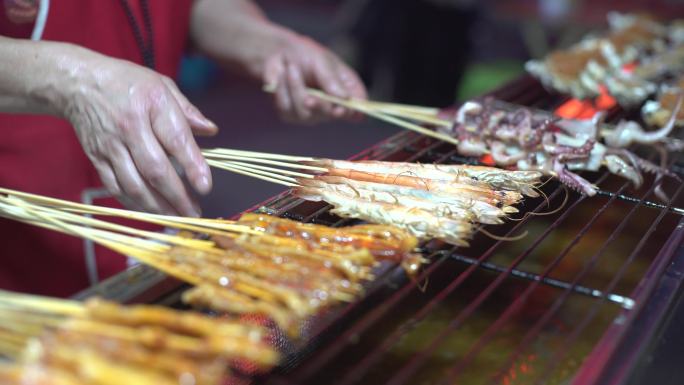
<point x="418" y="222"/>
<point x="484" y="194"/>
<point x="483" y="211"/>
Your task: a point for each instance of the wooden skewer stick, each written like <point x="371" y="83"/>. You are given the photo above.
<point x="260" y="172"/>
<point x="412" y="116"/>
<point x="247" y="173"/>
<point x="264" y="161"/>
<point x="271" y="169"/>
<point x="82" y="220"/>
<point x="96" y="235"/>
<point x="387" y="118"/>
<point x="431" y="111"/>
<point x="55" y="305"/>
<point x="192" y="224"/>
<point x="147" y="252"/>
<point x="263" y="155"/>
<point x="66" y="219"/>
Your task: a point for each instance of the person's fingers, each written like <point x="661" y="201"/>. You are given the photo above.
<point x="172" y="132"/>
<point x="326" y="77"/>
<point x="132" y="185"/>
<point x="352" y="82"/>
<point x="199" y="123"/>
<point x="283" y="100"/>
<point x="298" y="93"/>
<point x="275" y="79"/>
<point x="354" y="87"/>
<point x="104" y="170"/>
<point x="273" y="71"/>
<point x="108" y="178"/>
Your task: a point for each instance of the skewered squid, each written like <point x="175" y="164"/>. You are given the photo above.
<point x="532" y="140"/>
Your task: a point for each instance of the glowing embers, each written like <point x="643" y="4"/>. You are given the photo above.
<point x="586" y="109"/>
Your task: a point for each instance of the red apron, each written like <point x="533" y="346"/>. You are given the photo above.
<point x="42" y="155"/>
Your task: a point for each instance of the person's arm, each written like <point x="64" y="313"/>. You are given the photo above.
<point x="238" y="34"/>
<point x="127" y="117"/>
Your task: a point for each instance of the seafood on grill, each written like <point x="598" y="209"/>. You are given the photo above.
<point x="64" y="342"/>
<point x="535" y="140"/>
<point x="630" y="88"/>
<point x="291" y="271"/>
<point x="385" y="243"/>
<point x="582" y="69"/>
<point x="658" y="112"/>
<point x="260" y="265"/>
<point x="430" y="201"/>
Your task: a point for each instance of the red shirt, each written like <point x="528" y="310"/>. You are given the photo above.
<point x="42" y="155"/>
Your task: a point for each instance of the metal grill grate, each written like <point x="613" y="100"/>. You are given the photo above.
<point x="344" y="356"/>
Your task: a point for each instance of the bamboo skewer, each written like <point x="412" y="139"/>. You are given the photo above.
<point x="192" y="224"/>
<point x="262" y="155"/>
<point x="418" y="110"/>
<point x="54" y="305"/>
<point x="88" y="221"/>
<point x="237" y="170"/>
<point x="381" y="116"/>
<point x="258" y="167"/>
<point x="147" y="252"/>
<point x="369" y="110"/>
<point x="238" y="157"/>
<point x="412" y="116"/>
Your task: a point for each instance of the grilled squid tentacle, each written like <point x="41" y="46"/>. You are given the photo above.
<point x="630" y="132"/>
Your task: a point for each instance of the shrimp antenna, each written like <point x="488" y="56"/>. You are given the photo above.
<point x="543" y="194"/>
<point x="500" y="238"/>
<point x="554" y="211"/>
<point x="559" y="208"/>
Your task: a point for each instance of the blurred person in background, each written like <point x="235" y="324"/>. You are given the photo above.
<point x="412" y="51"/>
<point x="87" y="99"/>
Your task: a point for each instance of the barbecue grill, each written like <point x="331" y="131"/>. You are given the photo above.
<point x="579" y="299"/>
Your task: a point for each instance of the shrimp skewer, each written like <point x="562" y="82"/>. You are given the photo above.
<point x="493" y="197"/>
<point x="418" y="222"/>
<point x="439" y="209"/>
<point x="483" y="211"/>
<point x="485" y="177"/>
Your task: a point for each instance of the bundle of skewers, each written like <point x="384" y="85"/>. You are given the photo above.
<point x="525" y="139"/>
<point x="447" y="202"/>
<point x="47" y="341"/>
<point x="277" y="268"/>
<point x="650" y="48"/>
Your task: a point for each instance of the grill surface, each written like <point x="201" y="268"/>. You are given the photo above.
<point x="523" y="312"/>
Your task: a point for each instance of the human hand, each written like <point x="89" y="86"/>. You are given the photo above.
<point x="131" y="121"/>
<point x="298" y="62"/>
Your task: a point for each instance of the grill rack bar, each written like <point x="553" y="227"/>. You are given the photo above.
<point x="622" y="301"/>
